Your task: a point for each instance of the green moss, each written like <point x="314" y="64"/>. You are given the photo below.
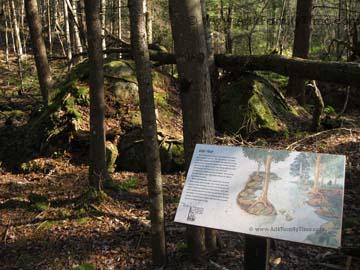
<point x="82" y="221"/>
<point x="85" y="266"/>
<point x="262" y="114"/>
<point x="111" y="156"/>
<point x="252" y="104"/>
<point x="38" y="202"/>
<point x="135" y="119"/>
<point x="47" y="225"/>
<point x="131" y="183"/>
<point x="15" y="114"/>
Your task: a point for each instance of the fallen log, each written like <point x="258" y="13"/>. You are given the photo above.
<point x="336" y="72"/>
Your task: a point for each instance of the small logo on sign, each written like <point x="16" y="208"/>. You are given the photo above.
<point x="191" y="215"/>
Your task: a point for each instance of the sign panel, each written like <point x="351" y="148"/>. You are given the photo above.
<point x="294" y="196"/>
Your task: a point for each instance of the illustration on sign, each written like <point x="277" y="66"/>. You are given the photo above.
<point x="295" y="196"/>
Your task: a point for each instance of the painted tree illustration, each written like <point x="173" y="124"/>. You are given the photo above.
<point x="326" y="166"/>
<point x="332" y="167"/>
<point x="301" y="167"/>
<point x="317" y="168"/>
<point x="255" y="154"/>
<point x="268" y="156"/>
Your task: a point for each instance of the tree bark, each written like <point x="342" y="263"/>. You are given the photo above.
<point x="78" y="45"/>
<point x="336" y="72"/>
<point x="67" y="33"/>
<point x="191" y="58"/>
<point x="82" y="21"/>
<point x="318" y="107"/>
<point x="103" y="24"/>
<point x="148" y="18"/>
<point x="148" y="116"/>
<point x="16" y="29"/>
<point x="97" y="169"/>
<point x="210" y="234"/>
<point x="296" y="85"/>
<point x="41" y="60"/>
<point x="6" y="35"/>
<point x="119" y="20"/>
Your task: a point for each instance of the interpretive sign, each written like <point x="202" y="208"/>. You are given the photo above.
<point x="294" y="196"/>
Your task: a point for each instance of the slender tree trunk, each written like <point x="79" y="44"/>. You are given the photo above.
<point x="72" y="7"/>
<point x="148" y="18"/>
<point x="119" y="20"/>
<point x="318" y="107"/>
<point x="296" y="85"/>
<point x="210" y="235"/>
<point x="12" y="32"/>
<point x="192" y="64"/>
<point x="82" y="22"/>
<point x="54" y="6"/>
<point x="148" y="116"/>
<point x="16" y="29"/>
<point x="67" y="33"/>
<point x="103" y="24"/>
<point x="50" y="36"/>
<point x="21" y="27"/>
<point x="97" y="169"/>
<point x="6" y="36"/>
<point x="41" y="60"/>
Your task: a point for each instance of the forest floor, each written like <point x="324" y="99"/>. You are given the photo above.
<point x="44" y="224"/>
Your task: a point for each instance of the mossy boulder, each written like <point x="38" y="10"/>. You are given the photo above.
<point x="132" y="157"/>
<point x="252" y="104"/>
<point x="48" y="129"/>
<point x="111" y="156"/>
<point x="64" y="124"/>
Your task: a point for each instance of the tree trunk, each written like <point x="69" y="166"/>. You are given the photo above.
<point x="103" y="24"/>
<point x="317" y="174"/>
<point x="97" y="169"/>
<point x="191" y="57"/>
<point x="16" y="29"/>
<point x="6" y="35"/>
<point x="296" y="85"/>
<point x="148" y="116"/>
<point x="41" y="60"/>
<point x="210" y="235"/>
<point x="119" y="20"/>
<point x="318" y="107"/>
<point x="79" y="47"/>
<point x="148" y="18"/>
<point x="82" y="21"/>
<point x="50" y="37"/>
<point x="67" y="33"/>
<point x="336" y="72"/>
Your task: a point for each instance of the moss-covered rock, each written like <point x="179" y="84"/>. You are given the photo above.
<point x="111" y="156"/>
<point x="252" y="104"/>
<point x="53" y="129"/>
<point x="132" y="157"/>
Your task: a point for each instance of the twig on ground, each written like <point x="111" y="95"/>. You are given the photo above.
<point x="218" y="266"/>
<point x="6" y="234"/>
<point x="291" y="146"/>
